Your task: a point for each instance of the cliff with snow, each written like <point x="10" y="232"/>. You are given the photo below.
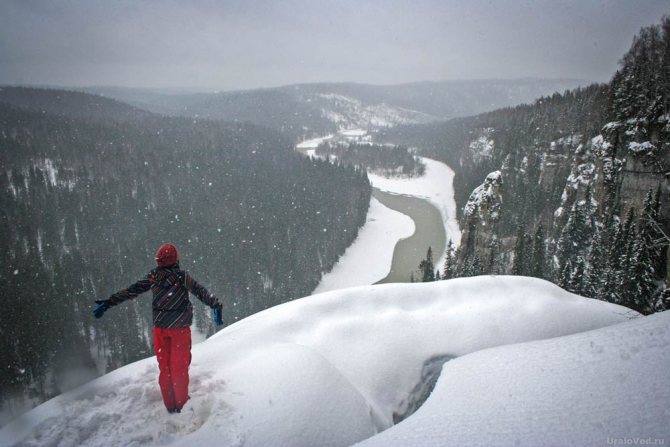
<point x="533" y="363"/>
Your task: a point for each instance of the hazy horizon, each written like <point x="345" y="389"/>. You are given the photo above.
<point x="186" y="90"/>
<point x="238" y="45"/>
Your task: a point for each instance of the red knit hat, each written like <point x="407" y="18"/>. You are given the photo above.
<point x="167" y="255"/>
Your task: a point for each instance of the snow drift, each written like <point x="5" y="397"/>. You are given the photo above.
<point x="330" y="369"/>
<point x="608" y="386"/>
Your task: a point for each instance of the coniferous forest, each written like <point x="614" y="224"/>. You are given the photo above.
<point x="91" y="187"/>
<point x="395" y="161"/>
<point x="573" y="188"/>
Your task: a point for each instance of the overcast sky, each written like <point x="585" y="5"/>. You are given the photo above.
<point x="228" y="45"/>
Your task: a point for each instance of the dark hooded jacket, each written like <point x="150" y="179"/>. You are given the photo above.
<point x="170" y="287"/>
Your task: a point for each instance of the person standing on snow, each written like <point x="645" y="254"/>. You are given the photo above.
<point x="173" y="314"/>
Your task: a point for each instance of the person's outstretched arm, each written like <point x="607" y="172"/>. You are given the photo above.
<point x="206" y="297"/>
<point x="200" y="291"/>
<point x="131" y="292"/>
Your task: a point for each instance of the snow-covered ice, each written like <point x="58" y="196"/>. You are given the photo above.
<point x="368" y="259"/>
<point x="331" y="369"/>
<point x="353" y="132"/>
<point x="313" y="143"/>
<point x="436" y="186"/>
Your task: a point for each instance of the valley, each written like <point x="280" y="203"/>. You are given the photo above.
<point x="427" y="200"/>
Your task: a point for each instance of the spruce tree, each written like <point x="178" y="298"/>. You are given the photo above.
<point x="576" y="281"/>
<point x="648" y="228"/>
<point x="477" y="267"/>
<point x="597" y="265"/>
<point x="588" y="208"/>
<point x="565" y="275"/>
<point x="492" y="267"/>
<point x="539" y="254"/>
<point x="609" y="289"/>
<point x="627" y="240"/>
<point x="427" y="267"/>
<point x="450" y="266"/>
<point x="519" y="265"/>
<point x="641" y="284"/>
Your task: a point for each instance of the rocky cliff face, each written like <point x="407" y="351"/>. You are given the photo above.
<point x="614" y="170"/>
<point x="576" y="187"/>
<point x="482" y="213"/>
<point x="636" y="153"/>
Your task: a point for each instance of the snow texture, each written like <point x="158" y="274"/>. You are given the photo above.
<point x="482" y="148"/>
<point x="333" y="368"/>
<point x="486" y="199"/>
<point x="583" y="175"/>
<point x="608" y="386"/>
<point x="601" y="147"/>
<point x="641" y="148"/>
<point x="368" y="259"/>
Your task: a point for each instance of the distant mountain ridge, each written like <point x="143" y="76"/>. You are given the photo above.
<point x="71" y="104"/>
<point x="307" y="110"/>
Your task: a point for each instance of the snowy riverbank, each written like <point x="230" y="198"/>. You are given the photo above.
<point x="436" y="186"/>
<point x="369" y="258"/>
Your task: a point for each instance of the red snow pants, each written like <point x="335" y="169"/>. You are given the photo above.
<point x="173" y="350"/>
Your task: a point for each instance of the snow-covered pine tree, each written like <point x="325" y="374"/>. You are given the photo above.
<point x="595" y="280"/>
<point x="475" y="268"/>
<point x="450" y="266"/>
<point x="577" y="279"/>
<point x="565" y="274"/>
<point x="640" y="286"/>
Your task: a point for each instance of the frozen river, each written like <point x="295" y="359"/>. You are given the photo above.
<point x="429" y="232"/>
<point x="407" y="215"/>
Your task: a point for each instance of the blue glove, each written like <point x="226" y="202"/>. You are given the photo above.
<point x="218" y="312"/>
<point x="102" y="306"/>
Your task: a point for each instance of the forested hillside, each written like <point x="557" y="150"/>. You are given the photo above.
<point x="304" y="111"/>
<point x="91" y="187"/>
<point x="573" y="188"/>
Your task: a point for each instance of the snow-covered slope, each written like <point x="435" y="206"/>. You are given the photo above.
<point x="326" y="370"/>
<point x="347" y="112"/>
<point x="609" y="386"/>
